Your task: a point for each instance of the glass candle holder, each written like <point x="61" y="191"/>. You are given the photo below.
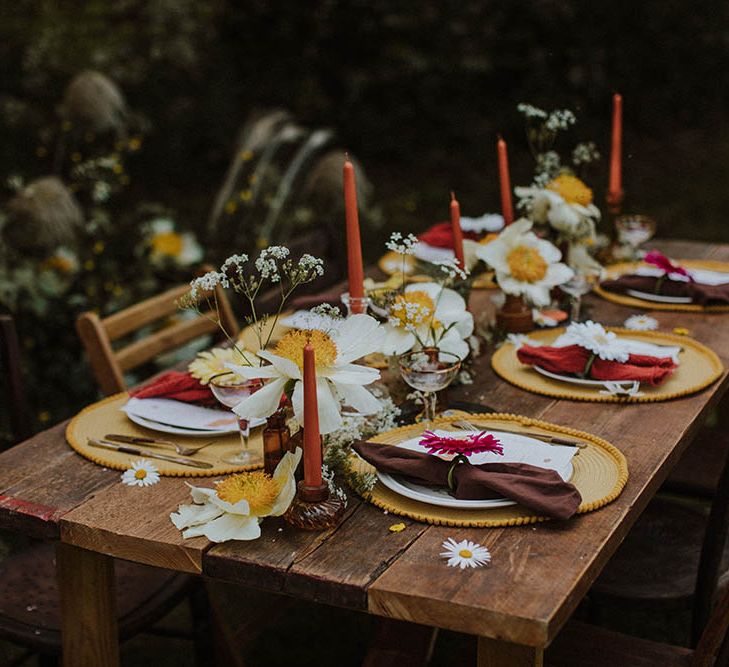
<point x="315" y="508"/>
<point x="230" y="394"/>
<point x="429" y="370"/>
<point x="355" y="305"/>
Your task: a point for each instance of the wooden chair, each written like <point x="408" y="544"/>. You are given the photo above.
<point x="581" y="644"/>
<point x="29" y="600"/>
<point x="675" y="557"/>
<point x="109" y="364"/>
<point x="15" y="395"/>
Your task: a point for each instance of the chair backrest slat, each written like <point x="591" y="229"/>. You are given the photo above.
<point x="145" y="312"/>
<point x="109" y="365"/>
<point x="713" y="639"/>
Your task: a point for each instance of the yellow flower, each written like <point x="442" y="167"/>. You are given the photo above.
<point x="167" y="243"/>
<point x="526" y="264"/>
<point x="291" y="347"/>
<point x="681" y="331"/>
<point x="208" y="364"/>
<point x="135" y="143"/>
<point x="396" y="528"/>
<point x="89" y="264"/>
<point x="98" y="247"/>
<point x="118" y="168"/>
<point x="246" y="155"/>
<point x="571" y="189"/>
<point x="245" y="195"/>
<point x="231" y="207"/>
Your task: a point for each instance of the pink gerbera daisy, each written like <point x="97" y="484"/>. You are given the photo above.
<point x="471" y="444"/>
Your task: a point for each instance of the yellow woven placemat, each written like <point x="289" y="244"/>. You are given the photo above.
<point x="617" y="270"/>
<point x="600" y="473"/>
<point x="104" y="417"/>
<point x="699" y="367"/>
<point x="391" y="263"/>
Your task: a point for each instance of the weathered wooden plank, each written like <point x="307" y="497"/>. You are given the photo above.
<point x="42" y="479"/>
<point x="133" y="523"/>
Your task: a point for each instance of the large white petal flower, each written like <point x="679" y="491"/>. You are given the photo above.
<point x="423" y="316"/>
<point x="525" y="264"/>
<point x="234" y="508"/>
<point x="355" y="337"/>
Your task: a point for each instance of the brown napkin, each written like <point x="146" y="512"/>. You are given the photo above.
<point x="704" y="295"/>
<point x="538" y="489"/>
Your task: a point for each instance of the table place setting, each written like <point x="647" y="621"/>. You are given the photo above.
<point x="660" y="283"/>
<point x="586" y="361"/>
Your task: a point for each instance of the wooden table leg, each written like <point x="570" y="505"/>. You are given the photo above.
<point x="88" y="607"/>
<point x="496" y="653"/>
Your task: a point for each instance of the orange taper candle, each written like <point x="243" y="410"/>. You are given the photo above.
<point x="312" y="438"/>
<point x="507" y="209"/>
<point x="615" y="186"/>
<point x="457" y="232"/>
<point x="354" y="244"/>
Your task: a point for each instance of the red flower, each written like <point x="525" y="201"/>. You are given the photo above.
<point x="472" y="444"/>
<point x="658" y="259"/>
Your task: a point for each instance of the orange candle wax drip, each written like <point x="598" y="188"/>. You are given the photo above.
<point x="507" y="210"/>
<point x="615" y="186"/>
<point x="457" y="232"/>
<point x="354" y="244"/>
<point x="312" y="438"/>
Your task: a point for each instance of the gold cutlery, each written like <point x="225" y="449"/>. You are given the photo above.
<point x="549" y="439"/>
<point x="139" y="440"/>
<point x="125" y="449"/>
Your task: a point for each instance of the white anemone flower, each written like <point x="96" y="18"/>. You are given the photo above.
<point x="525" y="264"/>
<point x="593" y="337"/>
<point x="234" y="509"/>
<point x="338" y="380"/>
<point x="565" y="203"/>
<point x="428" y="314"/>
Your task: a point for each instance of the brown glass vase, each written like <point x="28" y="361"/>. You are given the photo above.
<point x="515" y="316"/>
<point x="276" y="437"/>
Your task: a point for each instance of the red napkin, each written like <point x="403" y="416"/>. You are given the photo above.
<point x="177" y="385"/>
<point x="440" y="235"/>
<point x="572" y="360"/>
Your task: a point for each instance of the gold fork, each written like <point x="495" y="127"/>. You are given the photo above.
<point x="137" y="440"/>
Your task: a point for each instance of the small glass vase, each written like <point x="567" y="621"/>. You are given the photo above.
<point x="276" y="437"/>
<point x="429" y="370"/>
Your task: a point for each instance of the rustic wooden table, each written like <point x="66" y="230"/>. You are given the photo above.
<point x="516" y="606"/>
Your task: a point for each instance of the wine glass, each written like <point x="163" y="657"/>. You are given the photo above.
<point x="230" y="391"/>
<point x="581" y="283"/>
<point x="633" y="231"/>
<point x="429" y="370"/>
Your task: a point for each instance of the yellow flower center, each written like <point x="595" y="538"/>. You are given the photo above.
<point x="140" y="474"/>
<point x="291" y="346"/>
<point x="571" y="189"/>
<point x="465" y="553"/>
<point x="526" y="264"/>
<point x="258" y="488"/>
<point x="167" y="243"/>
<point x="412" y="309"/>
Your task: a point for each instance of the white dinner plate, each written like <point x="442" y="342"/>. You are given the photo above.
<point x="658" y="298"/>
<point x="190" y="432"/>
<point x="517" y="449"/>
<point x="583" y="381"/>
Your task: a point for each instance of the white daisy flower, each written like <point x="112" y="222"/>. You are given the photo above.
<point x="641" y="323"/>
<point x="167" y="244"/>
<point x="525" y="264"/>
<point x="428" y="314"/>
<point x="593" y="337"/>
<point x="141" y="473"/>
<point x="338" y="381"/>
<point x="465" y="554"/>
<point x="234" y="509"/>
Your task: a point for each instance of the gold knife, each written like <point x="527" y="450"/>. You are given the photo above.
<point x="136" y="440"/>
<point x="105" y="444"/>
